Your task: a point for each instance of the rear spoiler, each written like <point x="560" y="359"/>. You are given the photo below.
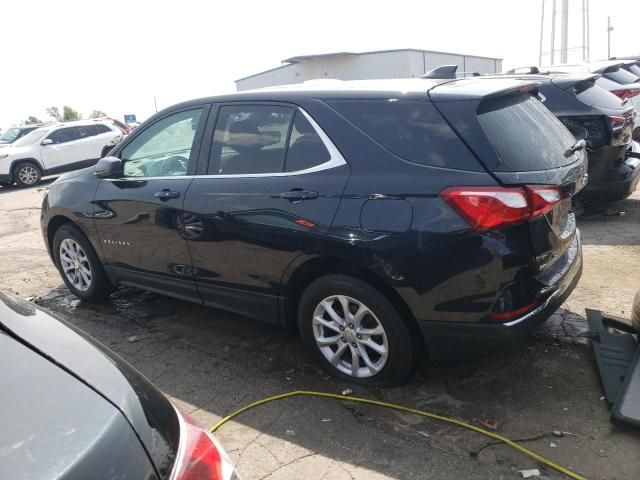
<point x="446" y="72"/>
<point x="568" y="80"/>
<point x="479" y="88"/>
<point x="523" y="70"/>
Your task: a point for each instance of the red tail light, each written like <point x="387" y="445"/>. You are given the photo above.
<point x="488" y="208"/>
<point x="624" y="94"/>
<point x="617" y="122"/>
<point x="200" y="456"/>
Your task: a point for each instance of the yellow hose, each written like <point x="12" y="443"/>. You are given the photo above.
<point x="400" y="408"/>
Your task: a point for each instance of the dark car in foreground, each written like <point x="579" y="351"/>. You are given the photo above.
<point x="385" y="220"/>
<point x="72" y="409"/>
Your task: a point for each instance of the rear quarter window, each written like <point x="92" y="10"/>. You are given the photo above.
<point x="525" y="134"/>
<point x="591" y="94"/>
<point x="412" y="130"/>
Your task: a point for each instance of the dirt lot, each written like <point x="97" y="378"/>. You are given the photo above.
<point x="211" y="363"/>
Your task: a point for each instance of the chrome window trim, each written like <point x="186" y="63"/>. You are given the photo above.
<point x="335" y="160"/>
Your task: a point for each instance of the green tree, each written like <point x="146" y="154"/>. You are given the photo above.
<point x="54" y="113"/>
<point x="32" y="120"/>
<point x="68" y="114"/>
<point x="97" y="114"/>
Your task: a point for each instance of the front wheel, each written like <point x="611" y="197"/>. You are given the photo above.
<point x="353" y="332"/>
<point x="79" y="265"/>
<point x="27" y="174"/>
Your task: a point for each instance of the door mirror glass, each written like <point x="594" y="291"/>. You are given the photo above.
<point x="46" y="141"/>
<point x="109" y="167"/>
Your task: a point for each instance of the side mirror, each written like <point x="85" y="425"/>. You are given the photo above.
<point x="109" y="167"/>
<point x="46" y="141"/>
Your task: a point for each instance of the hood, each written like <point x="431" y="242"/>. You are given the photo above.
<point x="73" y="174"/>
<point x="144" y="406"/>
<point x="12" y="150"/>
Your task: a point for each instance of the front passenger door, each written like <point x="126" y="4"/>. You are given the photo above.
<point x="138" y="216"/>
<point x="63" y="151"/>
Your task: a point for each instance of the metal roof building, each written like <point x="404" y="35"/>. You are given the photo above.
<point x="402" y="63"/>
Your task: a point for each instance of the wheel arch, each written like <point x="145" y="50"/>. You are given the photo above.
<point x="15" y="163"/>
<point x="309" y="271"/>
<point x="53" y="226"/>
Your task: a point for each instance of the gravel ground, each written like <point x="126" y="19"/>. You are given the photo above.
<point x="211" y="363"/>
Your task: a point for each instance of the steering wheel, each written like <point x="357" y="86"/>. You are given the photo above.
<point x="175" y="165"/>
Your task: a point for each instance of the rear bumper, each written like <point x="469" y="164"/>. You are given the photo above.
<point x="451" y="341"/>
<point x="613" y="191"/>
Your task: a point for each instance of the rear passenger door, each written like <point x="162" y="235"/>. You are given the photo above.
<point x="271" y="187"/>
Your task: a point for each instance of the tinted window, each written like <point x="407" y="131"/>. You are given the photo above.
<point x="85" y="131"/>
<point x="525" y="135"/>
<point x="591" y="94"/>
<point x="100" y="128"/>
<point x="64" y="135"/>
<point x="164" y="148"/>
<point x="621" y="76"/>
<point x="250" y="139"/>
<point x="306" y="149"/>
<point x="414" y="131"/>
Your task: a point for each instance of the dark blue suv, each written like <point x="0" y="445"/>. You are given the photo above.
<point x="385" y="220"/>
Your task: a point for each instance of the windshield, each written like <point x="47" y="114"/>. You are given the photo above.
<point x="542" y="140"/>
<point x="31" y="138"/>
<point x="10" y="135"/>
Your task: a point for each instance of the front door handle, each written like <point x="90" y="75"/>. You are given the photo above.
<point x="166" y="194"/>
<point x="297" y="195"/>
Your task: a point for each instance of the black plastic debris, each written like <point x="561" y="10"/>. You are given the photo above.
<point x="617" y="352"/>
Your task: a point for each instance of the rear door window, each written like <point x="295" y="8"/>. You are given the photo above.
<point x="525" y="134"/>
<point x="250" y="139"/>
<point x="306" y="149"/>
<point x="414" y="131"/>
<point x="85" y="131"/>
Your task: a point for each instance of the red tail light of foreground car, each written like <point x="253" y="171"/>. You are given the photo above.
<point x="200" y="455"/>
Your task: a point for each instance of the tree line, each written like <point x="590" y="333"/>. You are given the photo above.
<point x="67" y="114"/>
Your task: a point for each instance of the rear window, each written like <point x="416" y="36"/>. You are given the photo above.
<point x="635" y="69"/>
<point x="414" y="131"/>
<point x="621" y="76"/>
<point x="525" y="135"/>
<point x="590" y="94"/>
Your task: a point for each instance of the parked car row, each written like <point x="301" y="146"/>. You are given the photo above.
<point x="596" y="108"/>
<point x="55" y="148"/>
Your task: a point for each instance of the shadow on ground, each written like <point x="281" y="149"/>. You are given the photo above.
<point x="212" y="363"/>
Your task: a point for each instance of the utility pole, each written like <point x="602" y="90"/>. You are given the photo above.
<point x="553" y="31"/>
<point x="584" y="31"/>
<point x="542" y="33"/>
<point x="609" y="30"/>
<point x="564" y="34"/>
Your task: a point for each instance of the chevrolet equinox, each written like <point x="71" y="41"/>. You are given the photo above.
<point x="386" y="220"/>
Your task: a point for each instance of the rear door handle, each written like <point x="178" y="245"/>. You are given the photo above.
<point x="166" y="194"/>
<point x="296" y="195"/>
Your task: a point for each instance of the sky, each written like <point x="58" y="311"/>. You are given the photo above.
<point x="116" y="56"/>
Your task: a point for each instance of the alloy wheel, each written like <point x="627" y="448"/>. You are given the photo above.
<point x="350" y="336"/>
<point x="28" y="175"/>
<point x="75" y="264"/>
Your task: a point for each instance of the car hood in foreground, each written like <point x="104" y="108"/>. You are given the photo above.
<point x="147" y="410"/>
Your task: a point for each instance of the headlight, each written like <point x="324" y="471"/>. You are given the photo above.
<point x="4" y="155"/>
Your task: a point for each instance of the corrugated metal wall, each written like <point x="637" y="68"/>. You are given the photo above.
<point x="393" y="64"/>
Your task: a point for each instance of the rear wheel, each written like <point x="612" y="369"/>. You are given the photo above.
<point x="27" y="174"/>
<point x="353" y="332"/>
<point x="79" y="265"/>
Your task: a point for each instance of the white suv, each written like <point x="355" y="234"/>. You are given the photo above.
<point x="55" y="149"/>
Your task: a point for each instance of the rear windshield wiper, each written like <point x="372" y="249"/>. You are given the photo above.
<point x="576" y="147"/>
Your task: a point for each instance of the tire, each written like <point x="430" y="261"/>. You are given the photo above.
<point x="390" y="363"/>
<point x="26" y="174"/>
<point x="85" y="277"/>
